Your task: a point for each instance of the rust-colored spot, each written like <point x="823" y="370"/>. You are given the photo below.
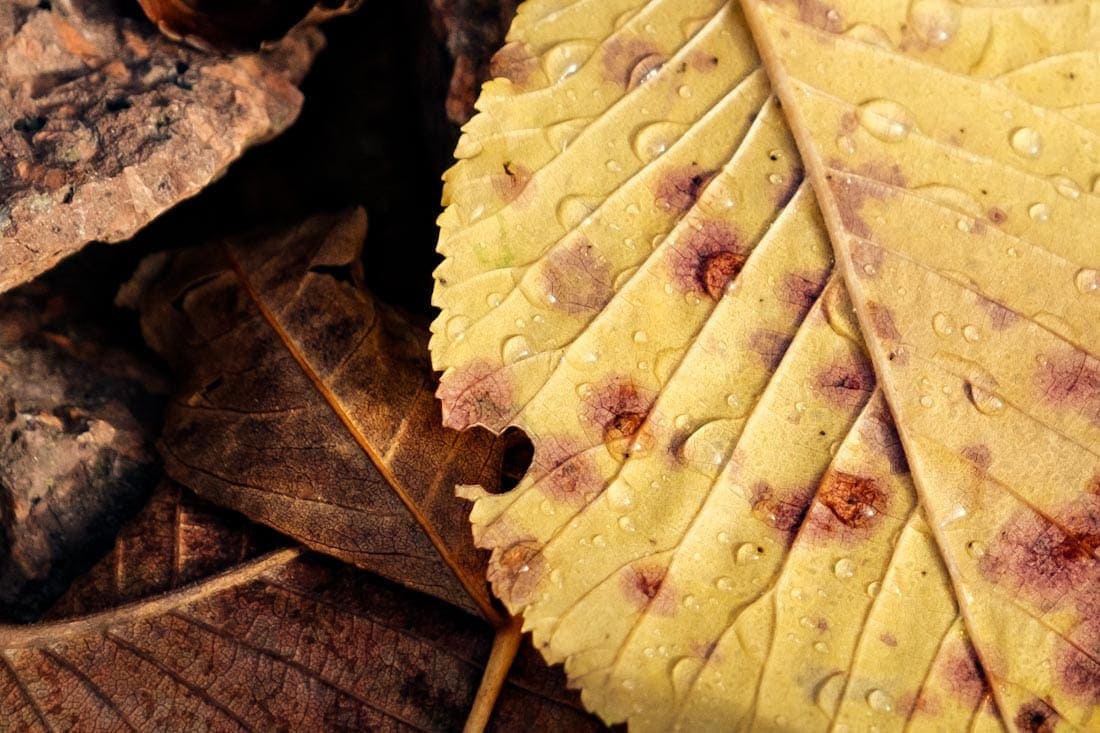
<point x="1071" y="379"/>
<point x="784" y="512"/>
<point x="855" y="501"/>
<point x="644" y="586"/>
<point x="513" y="182"/>
<point x="820" y="15"/>
<point x="882" y="322"/>
<point x="1093" y="486"/>
<point x="888" y="639"/>
<point x="623" y="57"/>
<point x="1000" y="317"/>
<point x="871" y="181"/>
<point x="703" y="62"/>
<point x="1079" y="673"/>
<point x="680" y="188"/>
<point x="997" y="216"/>
<point x="788" y="188"/>
<point x="478" y="394"/>
<point x="707" y="260"/>
<point x="979" y="455"/>
<point x="618" y="408"/>
<point x="565" y="472"/>
<point x="965" y="676"/>
<point x="846" y="384"/>
<point x="515" y="572"/>
<point x="515" y="62"/>
<point x="800" y="290"/>
<point x="577" y="278"/>
<point x="867" y="258"/>
<point x="770" y="346"/>
<point x="1036" y="717"/>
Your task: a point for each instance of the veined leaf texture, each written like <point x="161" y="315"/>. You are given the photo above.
<point x="798" y="305"/>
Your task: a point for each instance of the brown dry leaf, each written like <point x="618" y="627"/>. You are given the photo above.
<point x="472" y="30"/>
<point x="638" y="278"/>
<point x="78" y="416"/>
<point x="282" y="641"/>
<point x="308" y="406"/>
<point x="104" y="123"/>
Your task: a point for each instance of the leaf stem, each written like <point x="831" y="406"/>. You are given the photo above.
<point x="505" y="646"/>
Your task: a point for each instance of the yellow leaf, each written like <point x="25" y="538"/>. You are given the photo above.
<point x="719" y="528"/>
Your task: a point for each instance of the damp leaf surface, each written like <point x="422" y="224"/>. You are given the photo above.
<point x="720" y="528"/>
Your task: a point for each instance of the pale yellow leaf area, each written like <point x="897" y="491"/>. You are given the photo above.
<point x="719" y="529"/>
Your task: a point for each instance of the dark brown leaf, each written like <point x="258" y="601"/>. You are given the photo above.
<point x="282" y="642"/>
<point x="77" y="421"/>
<point x="473" y="31"/>
<point x="309" y="407"/>
<point x="104" y="123"/>
<point x="230" y="23"/>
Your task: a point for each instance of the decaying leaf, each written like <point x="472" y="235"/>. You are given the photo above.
<point x="471" y="29"/>
<point x="308" y="406"/>
<point x="284" y="641"/>
<point x="78" y="417"/>
<point x="232" y="23"/>
<point x="104" y="124"/>
<point x="638" y="278"/>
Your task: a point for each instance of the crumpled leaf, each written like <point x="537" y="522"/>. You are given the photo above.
<point x="637" y="278"/>
<point x="308" y="406"/>
<point x="472" y="29"/>
<point x="956" y="184"/>
<point x="78" y="418"/>
<point x="232" y="23"/>
<point x="279" y="641"/>
<point x="105" y="124"/>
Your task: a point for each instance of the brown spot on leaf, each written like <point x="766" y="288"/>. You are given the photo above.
<point x="644" y="586"/>
<point x="854" y="501"/>
<point x="628" y="61"/>
<point x="783" y="511"/>
<point x="1071" y="379"/>
<point x="1079" y="673"/>
<point x="680" y="188"/>
<point x="618" y="408"/>
<point x="565" y="472"/>
<point x="1036" y="717"/>
<point x="965" y="676"/>
<point x="770" y="346"/>
<point x="510" y="184"/>
<point x="888" y="639"/>
<point x="997" y="216"/>
<point x="882" y="322"/>
<point x="514" y="62"/>
<point x="846" y="384"/>
<point x="801" y="289"/>
<point x="577" y="278"/>
<point x="703" y="62"/>
<point x="851" y="192"/>
<point x="978" y="454"/>
<point x="515" y="571"/>
<point x="789" y="186"/>
<point x="707" y="260"/>
<point x="478" y="394"/>
<point x="866" y="257"/>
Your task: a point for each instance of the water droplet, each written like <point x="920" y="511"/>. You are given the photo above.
<point x="871" y="35"/>
<point x="515" y="348"/>
<point x="874" y="588"/>
<point x="776" y="180"/>
<point x="971" y="333"/>
<point x="1027" y="142"/>
<point x="690" y="601"/>
<point x="563" y="133"/>
<point x="628" y="684"/>
<point x="646" y="68"/>
<point x="599" y="541"/>
<point x="926" y="401"/>
<point x="724" y="538"/>
<point x="934" y="21"/>
<point x="652" y="140"/>
<point x="1039" y="212"/>
<point x="1066" y="186"/>
<point x="626" y="524"/>
<point x="964" y="225"/>
<point x="649" y="652"/>
<point x="1088" y="281"/>
<point x="563" y="60"/>
<point x="796" y="594"/>
<point x="682" y="421"/>
<point x="584" y="390"/>
<point x="821" y="647"/>
<point x="846" y="144"/>
<point x="800" y="406"/>
<point x="952" y="197"/>
<point x="943" y="324"/>
<point x="747" y="553"/>
<point x="640" y="337"/>
<point x="985" y="401"/>
<point x="494" y="299"/>
<point x="456" y="327"/>
<point x="684" y="91"/>
<point x="975" y="549"/>
<point x="547" y="508"/>
<point x="885" y="119"/>
<point x="828" y="692"/>
<point x="880" y="701"/>
<point x="556" y="577"/>
<point x="724" y="584"/>
<point x="733" y="400"/>
<point x="614" y="166"/>
<point x="869" y="269"/>
<point x="844" y="568"/>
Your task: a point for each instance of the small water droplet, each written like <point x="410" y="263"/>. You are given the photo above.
<point x="926" y="401"/>
<point x="584" y="390"/>
<point x="614" y="166"/>
<point x="934" y="21"/>
<point x="547" y="508"/>
<point x="874" y="588"/>
<point x="599" y="541"/>
<point x="572" y="210"/>
<point x="1039" y="212"/>
<point x="880" y="701"/>
<point x="964" y="225"/>
<point x="456" y="327"/>
<point x="828" y="692"/>
<point x="626" y="524"/>
<point x="640" y="337"/>
<point x="821" y="647"/>
<point x="800" y="406"/>
<point x="494" y="299"/>
<point x="869" y="269"/>
<point x="943" y="324"/>
<point x="985" y="401"/>
<point x="690" y="601"/>
<point x="1088" y="281"/>
<point x="733" y="400"/>
<point x="971" y="333"/>
<point x="649" y="652"/>
<point x="885" y="119"/>
<point x="556" y="577"/>
<point x="684" y="91"/>
<point x="846" y="144"/>
<point x="1066" y="186"/>
<point x="796" y="594"/>
<point x="652" y="140"/>
<point x="776" y="180"/>
<point x="975" y="549"/>
<point x="747" y="553"/>
<point x="628" y="684"/>
<point x="724" y="538"/>
<point x="723" y="584"/>
<point x="515" y="349"/>
<point x="844" y="568"/>
<point x="1027" y="142"/>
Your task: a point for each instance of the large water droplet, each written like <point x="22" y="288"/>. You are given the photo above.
<point x="934" y="21"/>
<point x="652" y="140"/>
<point x="885" y="119"/>
<point x="565" y="59"/>
<point x="844" y="568"/>
<point x="572" y="210"/>
<point x="1027" y="142"/>
<point x="943" y="324"/>
<point x="879" y="700"/>
<point x="747" y="552"/>
<point x="1088" y="281"/>
<point x="828" y="692"/>
<point x="515" y="348"/>
<point x="985" y="401"/>
<point x="626" y="524"/>
<point x="1066" y="186"/>
<point x="646" y="68"/>
<point x="1039" y="212"/>
<point x="971" y="333"/>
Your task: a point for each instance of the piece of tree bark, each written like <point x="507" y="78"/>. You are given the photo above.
<point x="309" y="407"/>
<point x="281" y="641"/>
<point x="78" y="417"/>
<point x="104" y="123"/>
